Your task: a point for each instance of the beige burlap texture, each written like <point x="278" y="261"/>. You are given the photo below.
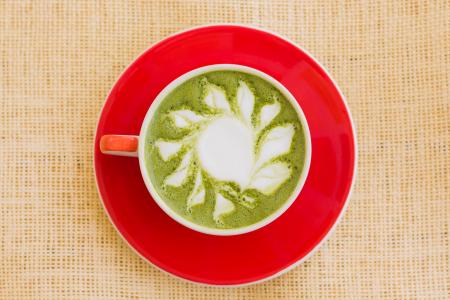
<point x="58" y="61"/>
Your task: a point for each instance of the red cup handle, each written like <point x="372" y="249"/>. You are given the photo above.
<point x="121" y="145"/>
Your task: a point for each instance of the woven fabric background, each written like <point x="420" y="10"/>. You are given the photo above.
<point x="58" y="60"/>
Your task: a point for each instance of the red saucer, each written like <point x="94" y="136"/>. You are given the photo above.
<point x="251" y="257"/>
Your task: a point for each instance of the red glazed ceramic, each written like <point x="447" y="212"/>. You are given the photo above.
<point x="239" y="259"/>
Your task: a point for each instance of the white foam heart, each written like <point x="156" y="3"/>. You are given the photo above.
<point x="216" y="98"/>
<point x="246" y="101"/>
<point x="179" y="176"/>
<point x="269" y="178"/>
<point x="198" y="193"/>
<point x="276" y="142"/>
<point x="168" y="149"/>
<point x="225" y="150"/>
<point x="222" y="207"/>
<point x="185" y="117"/>
<point x="268" y="113"/>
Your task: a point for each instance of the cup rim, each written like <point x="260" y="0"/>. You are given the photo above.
<point x="165" y="207"/>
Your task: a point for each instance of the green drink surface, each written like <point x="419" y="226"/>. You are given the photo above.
<point x="181" y="175"/>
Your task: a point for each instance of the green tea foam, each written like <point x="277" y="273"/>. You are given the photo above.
<point x="225" y="149"/>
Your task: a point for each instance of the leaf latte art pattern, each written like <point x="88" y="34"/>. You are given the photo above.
<point x="235" y="145"/>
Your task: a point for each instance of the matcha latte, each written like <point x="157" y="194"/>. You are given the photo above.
<point x="225" y="149"/>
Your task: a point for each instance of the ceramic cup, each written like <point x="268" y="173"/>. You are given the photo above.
<point x="134" y="146"/>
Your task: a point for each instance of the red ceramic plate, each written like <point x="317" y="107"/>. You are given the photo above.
<point x="251" y="257"/>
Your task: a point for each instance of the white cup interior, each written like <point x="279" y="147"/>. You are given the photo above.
<point x="165" y="92"/>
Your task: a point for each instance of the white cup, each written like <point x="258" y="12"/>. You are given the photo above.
<point x="134" y="146"/>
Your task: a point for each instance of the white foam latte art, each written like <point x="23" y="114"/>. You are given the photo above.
<point x="225" y="150"/>
<point x="233" y="144"/>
